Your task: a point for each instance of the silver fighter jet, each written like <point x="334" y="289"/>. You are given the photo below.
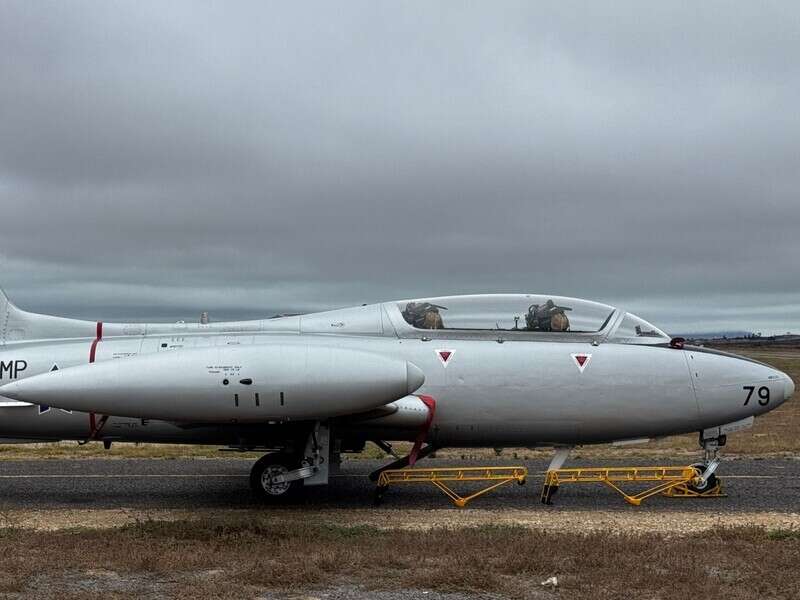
<point x="483" y="370"/>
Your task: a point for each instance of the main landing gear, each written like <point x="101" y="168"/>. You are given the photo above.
<point x="278" y="476"/>
<point x="283" y="476"/>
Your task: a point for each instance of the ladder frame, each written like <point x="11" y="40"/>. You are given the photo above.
<point x="440" y="477"/>
<point x="670" y="481"/>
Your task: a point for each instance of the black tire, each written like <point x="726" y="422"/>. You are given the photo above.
<point x="377" y="498"/>
<point x="275" y="463"/>
<point x="710" y="484"/>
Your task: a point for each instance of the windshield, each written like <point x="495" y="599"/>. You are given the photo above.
<point x="512" y="312"/>
<point x="635" y="330"/>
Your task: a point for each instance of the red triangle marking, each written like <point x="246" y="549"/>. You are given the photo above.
<point x="445" y="355"/>
<point x="581" y="358"/>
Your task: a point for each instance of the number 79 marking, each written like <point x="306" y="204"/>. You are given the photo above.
<point x="763" y="394"/>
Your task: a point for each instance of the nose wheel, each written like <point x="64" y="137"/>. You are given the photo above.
<point x="705" y="483"/>
<point x="708" y="483"/>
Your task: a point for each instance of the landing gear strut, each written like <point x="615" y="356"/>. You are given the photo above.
<point x="710" y="441"/>
<point x="283" y="476"/>
<point x="560" y="456"/>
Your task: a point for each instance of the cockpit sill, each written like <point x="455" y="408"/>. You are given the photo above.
<point x="501" y="336"/>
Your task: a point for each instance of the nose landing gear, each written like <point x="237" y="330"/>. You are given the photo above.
<point x="695" y="481"/>
<point x="706" y="484"/>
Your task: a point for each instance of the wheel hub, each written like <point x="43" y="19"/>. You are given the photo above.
<point x="272" y="487"/>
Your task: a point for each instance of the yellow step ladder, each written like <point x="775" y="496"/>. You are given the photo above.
<point x="675" y="482"/>
<point x="441" y="477"/>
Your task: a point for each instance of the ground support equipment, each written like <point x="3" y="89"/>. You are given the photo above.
<point x="441" y="477"/>
<point x="675" y="482"/>
<point x="686" y="491"/>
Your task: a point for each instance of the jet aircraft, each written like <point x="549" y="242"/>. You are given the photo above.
<point x="496" y="370"/>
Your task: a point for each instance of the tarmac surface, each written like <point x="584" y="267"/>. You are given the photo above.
<point x="751" y="486"/>
<point x="53" y="494"/>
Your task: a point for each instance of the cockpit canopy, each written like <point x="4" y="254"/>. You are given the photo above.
<point x="527" y="313"/>
<point x="635" y="330"/>
<point x="507" y="313"/>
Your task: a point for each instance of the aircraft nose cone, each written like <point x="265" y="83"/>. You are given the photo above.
<point x="789" y="387"/>
<point x="414" y="377"/>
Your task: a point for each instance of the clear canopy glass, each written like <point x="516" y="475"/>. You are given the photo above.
<point x="635" y="330"/>
<point x="507" y="312"/>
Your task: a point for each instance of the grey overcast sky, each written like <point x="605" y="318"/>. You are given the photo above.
<point x="162" y="158"/>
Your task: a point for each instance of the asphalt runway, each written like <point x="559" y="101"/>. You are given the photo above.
<point x="761" y="485"/>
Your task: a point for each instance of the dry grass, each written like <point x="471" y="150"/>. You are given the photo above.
<point x="777" y="433"/>
<point x="58" y="450"/>
<point x="236" y="558"/>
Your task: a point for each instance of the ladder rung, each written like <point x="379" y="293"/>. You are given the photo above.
<point x="496" y="475"/>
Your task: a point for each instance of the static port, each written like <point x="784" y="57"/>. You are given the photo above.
<point x="225" y="382"/>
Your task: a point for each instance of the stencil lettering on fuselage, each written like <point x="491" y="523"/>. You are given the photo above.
<point x="10" y="369"/>
<point x="229" y="370"/>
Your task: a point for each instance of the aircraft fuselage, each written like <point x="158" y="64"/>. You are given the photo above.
<point x="487" y="393"/>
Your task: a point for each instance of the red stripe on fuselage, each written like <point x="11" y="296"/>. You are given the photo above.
<point x="94" y="427"/>
<point x="98" y="337"/>
<point x="423" y="432"/>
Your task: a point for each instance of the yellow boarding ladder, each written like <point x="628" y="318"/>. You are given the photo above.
<point x="676" y="482"/>
<point x="442" y="476"/>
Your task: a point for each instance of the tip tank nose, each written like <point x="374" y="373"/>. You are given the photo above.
<point x="414" y="377"/>
<point x="10" y="390"/>
<point x="38" y="389"/>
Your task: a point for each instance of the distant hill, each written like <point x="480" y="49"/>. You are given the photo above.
<point x="742" y="338"/>
<point x="714" y="335"/>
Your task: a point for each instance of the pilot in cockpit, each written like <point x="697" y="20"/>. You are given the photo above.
<point x="547" y="317"/>
<point x="424" y="315"/>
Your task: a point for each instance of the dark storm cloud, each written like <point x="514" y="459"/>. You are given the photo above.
<point x="161" y="158"/>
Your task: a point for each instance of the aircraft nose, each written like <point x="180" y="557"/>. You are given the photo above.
<point x="788" y="385"/>
<point x="789" y="390"/>
<point x="729" y="387"/>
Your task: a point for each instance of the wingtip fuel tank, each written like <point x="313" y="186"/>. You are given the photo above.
<point x="234" y="384"/>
